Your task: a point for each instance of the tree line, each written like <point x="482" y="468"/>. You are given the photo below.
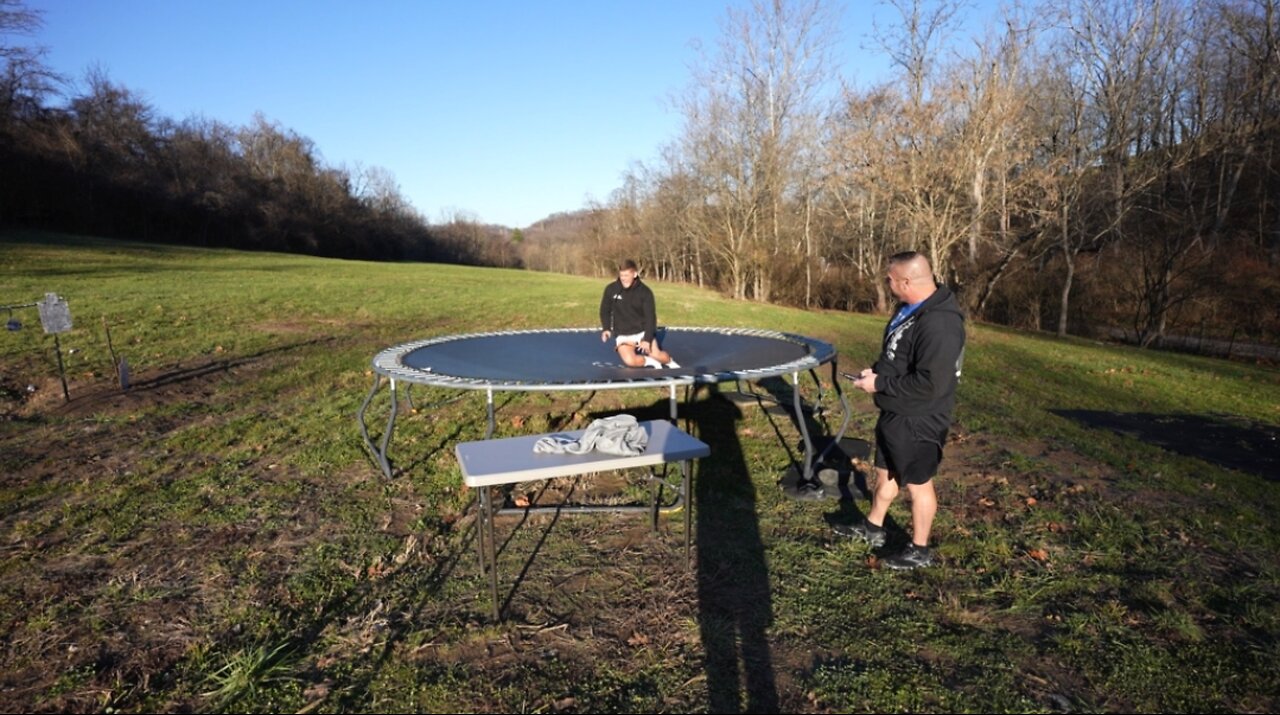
<point x="101" y="160"/>
<point x="1081" y="166"/>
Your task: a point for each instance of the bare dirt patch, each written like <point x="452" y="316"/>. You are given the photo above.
<point x="104" y="592"/>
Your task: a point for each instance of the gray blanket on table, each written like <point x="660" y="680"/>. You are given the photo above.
<point x="620" y="434"/>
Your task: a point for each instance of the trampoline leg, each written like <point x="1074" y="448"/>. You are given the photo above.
<point x="391" y="426"/>
<point x="804" y="429"/>
<point x="844" y="406"/>
<point x="380" y="455"/>
<point x="492" y="423"/>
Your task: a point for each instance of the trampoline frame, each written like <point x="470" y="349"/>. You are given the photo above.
<point x="388" y="365"/>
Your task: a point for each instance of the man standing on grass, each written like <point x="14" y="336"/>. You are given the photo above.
<point x="914" y="383"/>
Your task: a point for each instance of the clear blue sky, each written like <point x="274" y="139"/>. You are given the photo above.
<point x="507" y="110"/>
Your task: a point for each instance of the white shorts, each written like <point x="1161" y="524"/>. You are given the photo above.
<point x="629" y="339"/>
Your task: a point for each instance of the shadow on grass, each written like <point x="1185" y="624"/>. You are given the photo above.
<point x="833" y="463"/>
<point x="407" y="405"/>
<point x="198" y="371"/>
<point x="1231" y="442"/>
<point x="388" y="608"/>
<point x="735" y="607"/>
<point x="166" y="383"/>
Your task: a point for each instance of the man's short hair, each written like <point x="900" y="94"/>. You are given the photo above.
<point x="916" y="263"/>
<point x="628" y="265"/>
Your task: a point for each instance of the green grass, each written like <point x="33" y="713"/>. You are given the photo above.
<point x="218" y="538"/>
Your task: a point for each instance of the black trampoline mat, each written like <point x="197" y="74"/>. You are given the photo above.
<point x="569" y="357"/>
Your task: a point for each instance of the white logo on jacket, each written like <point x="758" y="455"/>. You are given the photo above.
<point x="891" y="342"/>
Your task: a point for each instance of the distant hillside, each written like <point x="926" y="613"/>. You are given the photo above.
<point x="562" y="243"/>
<point x="562" y="226"/>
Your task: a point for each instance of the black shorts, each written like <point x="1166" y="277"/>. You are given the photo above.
<point x="911" y="447"/>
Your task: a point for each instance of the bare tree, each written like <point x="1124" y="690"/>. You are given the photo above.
<point x="1095" y="115"/>
<point x="749" y="107"/>
<point x="1250" y="51"/>
<point x="25" y="82"/>
<point x="858" y="178"/>
<point x="927" y="186"/>
<point x="377" y="188"/>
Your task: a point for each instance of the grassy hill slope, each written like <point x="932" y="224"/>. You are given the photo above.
<point x="218" y="537"/>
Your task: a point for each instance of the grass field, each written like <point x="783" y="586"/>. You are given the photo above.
<point x="217" y="538"/>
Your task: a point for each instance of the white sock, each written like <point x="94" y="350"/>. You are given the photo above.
<point x="651" y="362"/>
<point x="673" y="364"/>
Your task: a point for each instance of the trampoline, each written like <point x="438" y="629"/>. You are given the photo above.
<point x="575" y="359"/>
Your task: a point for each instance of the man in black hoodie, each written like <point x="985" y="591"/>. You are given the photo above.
<point x="628" y="316"/>
<point x="914" y="383"/>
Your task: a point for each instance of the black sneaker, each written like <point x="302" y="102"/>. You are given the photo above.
<point x="912" y="557"/>
<point x="864" y="530"/>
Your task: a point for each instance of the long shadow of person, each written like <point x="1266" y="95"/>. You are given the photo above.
<point x="734" y="601"/>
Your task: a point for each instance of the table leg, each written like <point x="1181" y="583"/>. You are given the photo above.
<point x="487" y="508"/>
<point x="685" y="469"/>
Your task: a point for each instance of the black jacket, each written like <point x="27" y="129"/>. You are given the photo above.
<point x="920" y="360"/>
<point x="626" y="311"/>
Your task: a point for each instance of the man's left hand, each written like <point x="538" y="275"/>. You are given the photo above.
<point x="866" y="381"/>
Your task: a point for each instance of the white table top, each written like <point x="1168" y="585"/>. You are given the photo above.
<point x="510" y="460"/>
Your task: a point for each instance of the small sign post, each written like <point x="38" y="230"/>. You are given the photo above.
<point x="55" y="316"/>
<point x="122" y="365"/>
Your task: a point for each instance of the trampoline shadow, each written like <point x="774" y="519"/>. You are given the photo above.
<point x="839" y="474"/>
<point x="1226" y="440"/>
<point x="834" y="460"/>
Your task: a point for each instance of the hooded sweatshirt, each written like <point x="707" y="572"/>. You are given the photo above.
<point x="627" y="311"/>
<point x="920" y="359"/>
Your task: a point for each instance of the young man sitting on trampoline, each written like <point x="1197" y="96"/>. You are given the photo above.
<point x="627" y="314"/>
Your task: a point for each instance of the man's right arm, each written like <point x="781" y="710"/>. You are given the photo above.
<point x="606" y="309"/>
